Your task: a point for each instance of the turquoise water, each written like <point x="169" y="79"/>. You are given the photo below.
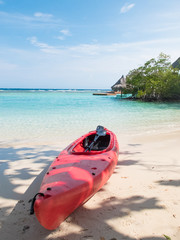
<point x="49" y="115"/>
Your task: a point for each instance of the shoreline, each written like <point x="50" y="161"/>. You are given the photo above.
<point x="141" y="200"/>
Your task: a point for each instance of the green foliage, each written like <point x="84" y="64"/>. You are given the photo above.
<point x="156" y="80"/>
<point x="167" y="237"/>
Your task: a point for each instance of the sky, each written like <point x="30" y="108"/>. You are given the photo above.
<point x="83" y="43"/>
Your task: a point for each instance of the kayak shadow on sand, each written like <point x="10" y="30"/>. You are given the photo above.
<point x="18" y="165"/>
<point x="92" y="219"/>
<point x="19" y="219"/>
<point x="94" y="222"/>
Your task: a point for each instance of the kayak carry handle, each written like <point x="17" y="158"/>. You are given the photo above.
<point x="33" y="201"/>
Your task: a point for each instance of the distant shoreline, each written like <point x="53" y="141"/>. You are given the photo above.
<point x="54" y="89"/>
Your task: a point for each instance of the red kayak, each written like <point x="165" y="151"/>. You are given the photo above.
<point x="75" y="176"/>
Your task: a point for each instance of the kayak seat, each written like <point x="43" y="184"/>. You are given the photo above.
<point x="101" y="143"/>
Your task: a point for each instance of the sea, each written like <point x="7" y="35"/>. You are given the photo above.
<point x="62" y="115"/>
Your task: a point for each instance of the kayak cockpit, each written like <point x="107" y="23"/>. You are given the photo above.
<point x="100" y="145"/>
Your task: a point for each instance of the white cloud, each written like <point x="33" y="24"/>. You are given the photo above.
<point x="42" y="15"/>
<point x="67" y="66"/>
<point x="87" y="49"/>
<point x="38" y="20"/>
<point x="34" y="42"/>
<point x="169" y="15"/>
<point x="60" y="37"/>
<point x="164" y="28"/>
<point x="127" y="7"/>
<point x="95" y="49"/>
<point x="82" y="49"/>
<point x="44" y="47"/>
<point x="65" y="32"/>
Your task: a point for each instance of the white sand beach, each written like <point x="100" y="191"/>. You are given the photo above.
<point x="140" y="201"/>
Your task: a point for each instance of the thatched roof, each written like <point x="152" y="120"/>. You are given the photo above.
<point x="176" y="64"/>
<point x="121" y="83"/>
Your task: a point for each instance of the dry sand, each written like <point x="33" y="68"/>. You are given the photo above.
<point x="140" y="201"/>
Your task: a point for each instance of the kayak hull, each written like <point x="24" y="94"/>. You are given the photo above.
<point x="73" y="178"/>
